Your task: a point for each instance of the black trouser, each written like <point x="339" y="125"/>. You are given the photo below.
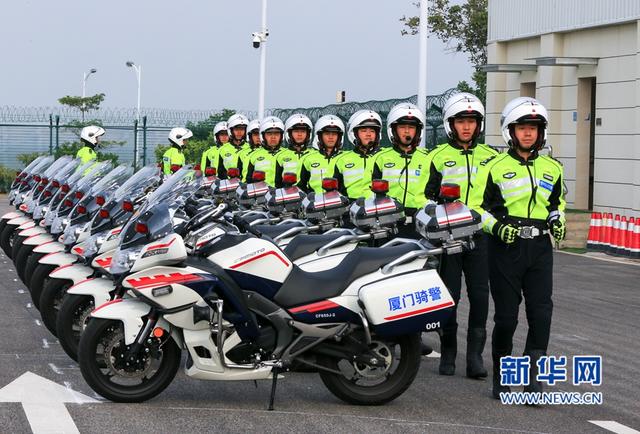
<point x="474" y="265"/>
<point x="523" y="268"/>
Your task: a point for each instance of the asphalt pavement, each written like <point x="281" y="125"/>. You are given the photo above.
<point x="596" y="312"/>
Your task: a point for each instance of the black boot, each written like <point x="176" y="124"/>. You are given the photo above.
<point x="448" y="350"/>
<point x="476" y="338"/>
<point x="497" y="387"/>
<point x="534" y="386"/>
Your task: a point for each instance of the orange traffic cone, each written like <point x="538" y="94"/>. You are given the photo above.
<point x="634" y="245"/>
<point x="621" y="250"/>
<point x="615" y="235"/>
<point x="593" y="239"/>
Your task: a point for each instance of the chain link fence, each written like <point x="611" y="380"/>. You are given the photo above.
<point x="28" y="130"/>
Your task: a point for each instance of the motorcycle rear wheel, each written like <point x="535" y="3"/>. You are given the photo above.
<point x="99" y="354"/>
<point x="363" y="385"/>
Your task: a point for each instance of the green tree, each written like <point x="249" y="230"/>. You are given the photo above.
<point x="464" y="28"/>
<point x="83" y="104"/>
<point x="203" y="130"/>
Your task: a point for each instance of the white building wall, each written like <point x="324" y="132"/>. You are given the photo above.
<point x="617" y="139"/>
<point x="514" y="19"/>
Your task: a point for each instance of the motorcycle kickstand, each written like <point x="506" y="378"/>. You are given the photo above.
<point x="274" y="383"/>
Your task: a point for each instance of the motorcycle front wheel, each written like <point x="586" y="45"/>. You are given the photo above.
<point x="362" y="384"/>
<point x="102" y="355"/>
<point x="71" y="322"/>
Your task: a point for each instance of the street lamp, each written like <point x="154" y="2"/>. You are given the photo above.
<point x="258" y="41"/>
<point x="138" y="71"/>
<point x="85" y="76"/>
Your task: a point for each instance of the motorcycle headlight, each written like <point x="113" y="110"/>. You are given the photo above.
<point x="123" y="260"/>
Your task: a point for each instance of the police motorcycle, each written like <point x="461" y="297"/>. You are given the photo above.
<point x="55" y="251"/>
<point x="34" y="202"/>
<point x="98" y="236"/>
<point x="90" y="283"/>
<point x="205" y="225"/>
<point x="76" y="212"/>
<point x="20" y="175"/>
<point x="244" y="311"/>
<point x="29" y="180"/>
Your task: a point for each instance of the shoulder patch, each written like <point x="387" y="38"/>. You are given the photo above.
<point x="349" y="165"/>
<point x="509" y="175"/>
<point x="389" y="165"/>
<point x="450" y="163"/>
<point x="315" y="164"/>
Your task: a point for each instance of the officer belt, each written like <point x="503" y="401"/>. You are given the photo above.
<point x="530" y="232"/>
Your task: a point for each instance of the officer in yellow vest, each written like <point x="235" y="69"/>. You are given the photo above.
<point x="210" y="156"/>
<point x="523" y="201"/>
<point x="90" y="138"/>
<point x="265" y="159"/>
<point x="173" y="158"/>
<point x="458" y="162"/>
<point x="229" y="153"/>
<point x="405" y="165"/>
<point x="321" y="163"/>
<point x="354" y="168"/>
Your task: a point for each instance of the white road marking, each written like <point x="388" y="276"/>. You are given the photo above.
<point x="38" y="323"/>
<point x="614" y="426"/>
<point x="55" y="369"/>
<point x="20" y="291"/>
<point x="45" y="344"/>
<point x="28" y="305"/>
<point x="43" y="403"/>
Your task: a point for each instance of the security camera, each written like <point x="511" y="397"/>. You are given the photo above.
<point x="256" y="41"/>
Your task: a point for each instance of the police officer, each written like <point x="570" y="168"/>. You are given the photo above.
<point x="404" y="165"/>
<point x="298" y="130"/>
<point x="457" y="162"/>
<point x="253" y="138"/>
<point x="354" y="168"/>
<point x="522" y="202"/>
<point x="228" y="154"/>
<point x="320" y="164"/>
<point x="265" y="158"/>
<point x="173" y="158"/>
<point x="210" y="156"/>
<point x="90" y="138"/>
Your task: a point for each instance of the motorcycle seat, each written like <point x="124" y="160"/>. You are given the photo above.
<point x="305" y="244"/>
<point x="302" y="287"/>
<point x="273" y="231"/>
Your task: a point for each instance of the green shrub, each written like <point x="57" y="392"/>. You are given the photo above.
<point x="7" y="175"/>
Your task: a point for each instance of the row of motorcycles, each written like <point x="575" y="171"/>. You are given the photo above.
<point x="131" y="270"/>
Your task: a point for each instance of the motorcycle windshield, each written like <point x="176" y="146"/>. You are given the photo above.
<point x="112" y="213"/>
<point x="155" y="218"/>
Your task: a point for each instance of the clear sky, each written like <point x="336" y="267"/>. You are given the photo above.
<point x="197" y="54"/>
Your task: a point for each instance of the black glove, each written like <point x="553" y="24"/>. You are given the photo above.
<point x="506" y="232"/>
<point x="558" y="228"/>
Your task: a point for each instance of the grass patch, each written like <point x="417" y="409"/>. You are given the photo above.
<point x="574" y="250"/>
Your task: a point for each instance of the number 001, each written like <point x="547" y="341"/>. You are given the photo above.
<point x="432" y="325"/>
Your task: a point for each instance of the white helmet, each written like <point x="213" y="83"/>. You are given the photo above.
<point x="405" y="113"/>
<point x="219" y="128"/>
<point x="462" y="105"/>
<point x="178" y="135"/>
<point x="271" y="123"/>
<point x="237" y="120"/>
<point x="364" y="118"/>
<point x="524" y="110"/>
<point x="91" y="133"/>
<point x="294" y="120"/>
<point x="328" y="123"/>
